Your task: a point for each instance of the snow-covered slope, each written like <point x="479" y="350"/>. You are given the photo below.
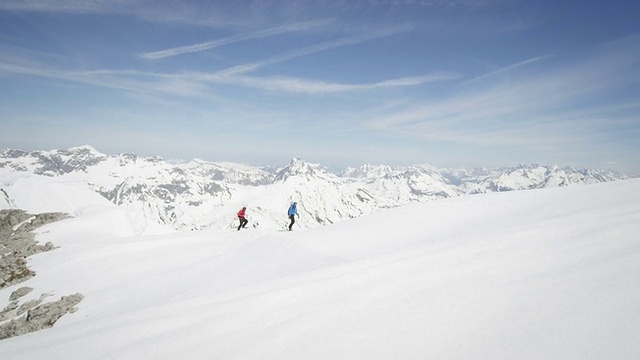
<point x="199" y="194"/>
<point x="40" y="194"/>
<point x="540" y="274"/>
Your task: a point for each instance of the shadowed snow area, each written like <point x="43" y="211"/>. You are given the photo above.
<point x="538" y="274"/>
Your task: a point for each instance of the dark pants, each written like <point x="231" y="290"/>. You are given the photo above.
<point x="243" y="223"/>
<point x="293" y="220"/>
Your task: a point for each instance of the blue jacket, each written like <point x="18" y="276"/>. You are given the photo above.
<point x="293" y="210"/>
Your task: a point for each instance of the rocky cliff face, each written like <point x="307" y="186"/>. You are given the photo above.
<point x="17" y="244"/>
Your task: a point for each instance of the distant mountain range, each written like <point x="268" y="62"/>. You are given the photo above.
<point x="199" y="194"/>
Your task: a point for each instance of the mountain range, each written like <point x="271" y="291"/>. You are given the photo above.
<point x="198" y="194"/>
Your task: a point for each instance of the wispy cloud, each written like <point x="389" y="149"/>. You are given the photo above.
<point x="305" y="86"/>
<point x="199" y="84"/>
<point x="198" y="13"/>
<point x="507" y="68"/>
<point x="309" y="50"/>
<point x="68" y="6"/>
<point x="234" y="39"/>
<point x="558" y="108"/>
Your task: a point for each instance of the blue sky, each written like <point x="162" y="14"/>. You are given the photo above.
<point x="443" y="82"/>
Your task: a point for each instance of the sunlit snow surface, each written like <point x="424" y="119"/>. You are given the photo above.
<point x="538" y="274"/>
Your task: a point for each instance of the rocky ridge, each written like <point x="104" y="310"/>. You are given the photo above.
<point x="17" y="243"/>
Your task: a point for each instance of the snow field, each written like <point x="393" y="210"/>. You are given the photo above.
<point x="541" y="274"/>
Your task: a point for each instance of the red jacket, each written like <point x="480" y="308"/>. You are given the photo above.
<point x="241" y="213"/>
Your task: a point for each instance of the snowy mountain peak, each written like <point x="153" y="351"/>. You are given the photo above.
<point x="52" y="163"/>
<point x="367" y="171"/>
<point x="85" y="149"/>
<point x="301" y="169"/>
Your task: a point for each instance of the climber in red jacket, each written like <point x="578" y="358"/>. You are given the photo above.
<point x="241" y="217"/>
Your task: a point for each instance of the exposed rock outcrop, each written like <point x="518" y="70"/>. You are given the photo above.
<point x="39" y="317"/>
<point x="17" y="243"/>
